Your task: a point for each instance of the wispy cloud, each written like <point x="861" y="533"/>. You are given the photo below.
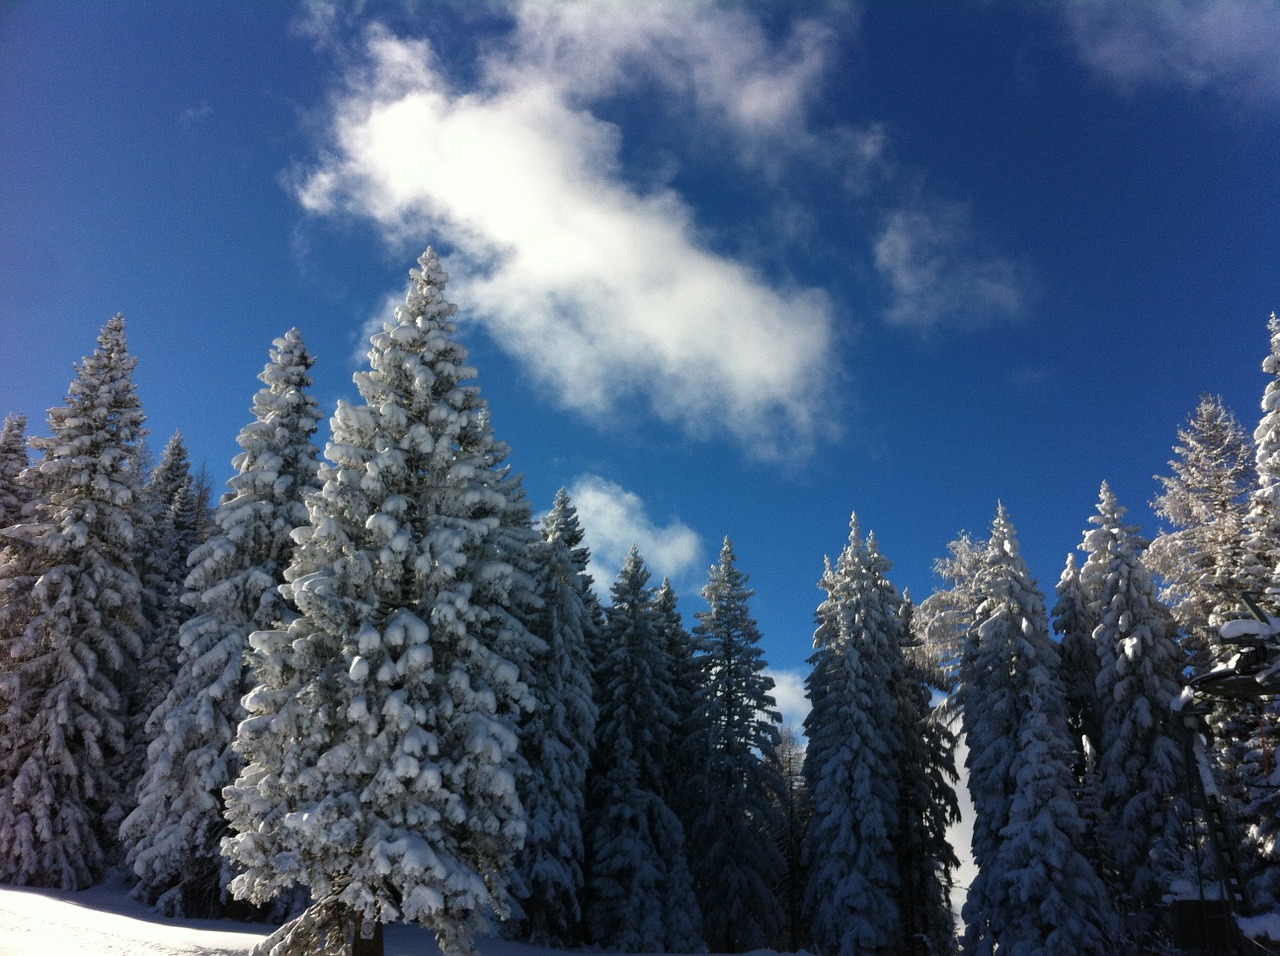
<point x="604" y="291"/>
<point x="936" y="272"/>
<point x="195" y="115"/>
<point x="614" y="519"/>
<point x="1228" y="47"/>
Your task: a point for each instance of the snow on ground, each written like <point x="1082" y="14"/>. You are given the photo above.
<point x="106" y="921"/>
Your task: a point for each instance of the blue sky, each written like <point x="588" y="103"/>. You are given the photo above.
<point x="730" y="269"/>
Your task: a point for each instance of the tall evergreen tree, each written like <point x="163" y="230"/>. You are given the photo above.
<point x="1140" y="757"/>
<point x="1075" y="615"/>
<point x="15" y="492"/>
<point x="173" y="837"/>
<point x="1263" y="518"/>
<point x="556" y="736"/>
<point x="678" y="779"/>
<point x="1204" y="560"/>
<point x="71" y="647"/>
<point x="730" y="852"/>
<point x="942" y="620"/>
<point x="640" y="891"/>
<point x="167" y="542"/>
<point x="792" y="817"/>
<point x="852" y="762"/>
<point x="927" y="805"/>
<point x="380" y="746"/>
<point x="1035" y="892"/>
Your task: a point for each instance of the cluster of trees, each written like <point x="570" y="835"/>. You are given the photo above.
<point x="366" y="687"/>
<point x="1078" y="760"/>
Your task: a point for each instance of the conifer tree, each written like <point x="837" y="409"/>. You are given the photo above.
<point x="640" y="891"/>
<point x="1035" y="892"/>
<point x="852" y="762"/>
<point x="556" y="736"/>
<point x="15" y="492"/>
<point x="941" y="621"/>
<point x="70" y="648"/>
<point x="1204" y="561"/>
<point x="927" y="805"/>
<point x="167" y="542"/>
<point x="380" y="744"/>
<point x="173" y="837"/>
<point x="1075" y="616"/>
<point x="679" y="778"/>
<point x="792" y="814"/>
<point x="730" y="853"/>
<point x="1140" y="758"/>
<point x="1263" y="518"/>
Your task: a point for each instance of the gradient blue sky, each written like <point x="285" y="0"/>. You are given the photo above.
<point x="730" y="269"/>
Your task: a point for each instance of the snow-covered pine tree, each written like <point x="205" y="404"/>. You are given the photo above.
<point x="852" y="764"/>
<point x="679" y="778"/>
<point x="686" y="670"/>
<point x="380" y="746"/>
<point x="1263" y="517"/>
<point x="1247" y="749"/>
<point x="640" y="895"/>
<point x="556" y="736"/>
<point x="1035" y="891"/>
<point x="793" y="807"/>
<point x="14" y="491"/>
<point x="173" y="837"/>
<point x="1141" y="766"/>
<point x="1204" y="562"/>
<point x="927" y="803"/>
<point x="941" y="621"/>
<point x="1075" y="615"/>
<point x="167" y="542"/>
<point x="731" y="855"/>
<point x="71" y="648"/>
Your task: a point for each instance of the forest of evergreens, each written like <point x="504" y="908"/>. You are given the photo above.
<point x="366" y="684"/>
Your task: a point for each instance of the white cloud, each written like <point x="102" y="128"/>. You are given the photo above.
<point x="788" y="691"/>
<point x="1231" y="47"/>
<point x="603" y="291"/>
<point x="613" y="519"/>
<point x="929" y="260"/>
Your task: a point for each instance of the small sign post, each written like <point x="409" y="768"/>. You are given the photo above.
<point x="368" y="937"/>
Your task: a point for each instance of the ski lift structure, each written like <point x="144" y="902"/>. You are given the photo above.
<point x="1251" y="676"/>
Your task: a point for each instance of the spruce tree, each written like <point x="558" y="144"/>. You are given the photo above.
<point x="380" y="744"/>
<point x="173" y="837"/>
<point x="928" y="804"/>
<point x="852" y="765"/>
<point x="556" y="736"/>
<point x="1140" y="757"/>
<point x="1035" y="892"/>
<point x="70" y="647"/>
<point x="942" y="620"/>
<point x="167" y="542"/>
<point x="1075" y="615"/>
<point x="15" y="492"/>
<point x="730" y="852"/>
<point x="641" y="895"/>
<point x="792" y="814"/>
<point x="1263" y="517"/>
<point x="1204" y="560"/>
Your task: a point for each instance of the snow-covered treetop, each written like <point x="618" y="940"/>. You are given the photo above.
<point x="13" y="462"/>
